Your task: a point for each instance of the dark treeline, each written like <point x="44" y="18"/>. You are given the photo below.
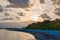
<point x="45" y="25"/>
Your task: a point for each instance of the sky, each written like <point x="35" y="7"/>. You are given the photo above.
<point x="33" y="12"/>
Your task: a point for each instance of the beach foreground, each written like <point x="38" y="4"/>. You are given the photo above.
<point x="7" y="34"/>
<point x="14" y="35"/>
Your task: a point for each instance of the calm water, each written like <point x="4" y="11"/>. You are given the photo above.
<point x="13" y="24"/>
<point x="44" y="34"/>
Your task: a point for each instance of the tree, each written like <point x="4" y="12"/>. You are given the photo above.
<point x="45" y="25"/>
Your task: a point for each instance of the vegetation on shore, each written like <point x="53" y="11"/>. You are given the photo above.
<point x="45" y="25"/>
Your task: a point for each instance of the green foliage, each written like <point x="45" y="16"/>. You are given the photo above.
<point x="45" y="25"/>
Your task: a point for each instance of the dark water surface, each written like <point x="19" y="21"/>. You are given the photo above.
<point x="44" y="34"/>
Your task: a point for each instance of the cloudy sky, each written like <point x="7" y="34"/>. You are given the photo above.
<point x="30" y="9"/>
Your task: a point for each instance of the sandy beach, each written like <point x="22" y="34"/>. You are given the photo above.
<point x="14" y="35"/>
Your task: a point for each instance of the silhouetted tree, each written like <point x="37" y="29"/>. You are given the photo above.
<point x="45" y="25"/>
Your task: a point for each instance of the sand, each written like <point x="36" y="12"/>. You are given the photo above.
<point x="13" y="35"/>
